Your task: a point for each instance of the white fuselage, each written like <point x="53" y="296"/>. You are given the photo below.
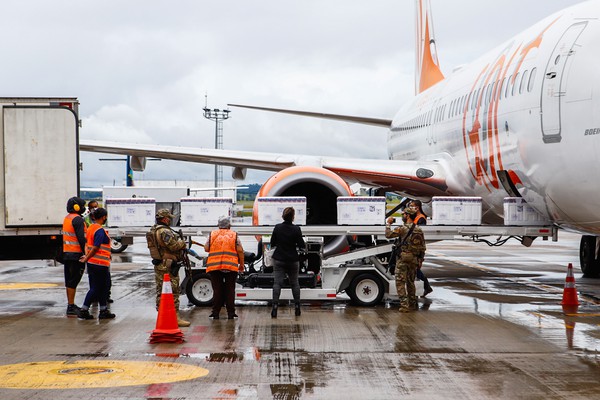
<point x="529" y="108"/>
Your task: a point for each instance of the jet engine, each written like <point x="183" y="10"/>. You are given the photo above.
<point x="138" y="163"/>
<point x="321" y="188"/>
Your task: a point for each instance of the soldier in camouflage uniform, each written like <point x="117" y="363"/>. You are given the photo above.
<point x="411" y="252"/>
<point x="171" y="248"/>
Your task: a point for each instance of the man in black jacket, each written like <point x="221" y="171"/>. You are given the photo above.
<point x="286" y="239"/>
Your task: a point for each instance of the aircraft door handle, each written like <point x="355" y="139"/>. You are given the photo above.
<point x="550" y="75"/>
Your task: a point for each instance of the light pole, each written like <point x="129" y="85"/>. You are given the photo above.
<point x="218" y="116"/>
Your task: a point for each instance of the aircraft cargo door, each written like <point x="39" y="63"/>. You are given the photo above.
<point x="40" y="164"/>
<point x="553" y="84"/>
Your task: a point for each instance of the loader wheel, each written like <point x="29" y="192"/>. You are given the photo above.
<point x="366" y="290"/>
<point x="116" y="246"/>
<point x="199" y="290"/>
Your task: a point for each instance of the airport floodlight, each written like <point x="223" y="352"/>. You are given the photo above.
<point x="218" y="116"/>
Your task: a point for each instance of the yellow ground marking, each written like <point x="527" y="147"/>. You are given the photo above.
<point x="539" y="315"/>
<point x="26" y="285"/>
<point x="583" y="315"/>
<point x="94" y="374"/>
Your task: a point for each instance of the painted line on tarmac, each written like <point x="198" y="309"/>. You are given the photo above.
<point x="94" y="374"/>
<point x="26" y="285"/>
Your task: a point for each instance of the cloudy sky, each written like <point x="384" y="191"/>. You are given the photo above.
<point x="141" y="68"/>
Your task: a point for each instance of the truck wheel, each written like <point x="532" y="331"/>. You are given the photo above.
<point x="116" y="246"/>
<point x="590" y="265"/>
<point x="199" y="289"/>
<point x="366" y="290"/>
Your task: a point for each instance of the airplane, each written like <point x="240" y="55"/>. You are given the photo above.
<point x="523" y="120"/>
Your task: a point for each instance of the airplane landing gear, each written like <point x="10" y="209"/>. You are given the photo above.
<point x="588" y="256"/>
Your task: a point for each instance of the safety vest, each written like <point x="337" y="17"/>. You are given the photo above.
<point x="418" y="217"/>
<point x="102" y="256"/>
<point x="70" y="242"/>
<point x="223" y="251"/>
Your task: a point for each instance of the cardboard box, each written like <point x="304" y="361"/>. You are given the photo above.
<point x="456" y="211"/>
<point x="518" y="212"/>
<point x="355" y="210"/>
<point x="204" y="211"/>
<point x="130" y="212"/>
<point x="270" y="209"/>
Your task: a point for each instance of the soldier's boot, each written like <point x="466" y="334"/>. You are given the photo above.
<point x="412" y="304"/>
<point x="182" y="322"/>
<point x="404" y="306"/>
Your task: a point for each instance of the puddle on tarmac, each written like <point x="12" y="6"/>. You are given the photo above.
<point x="248" y="355"/>
<point x="286" y="391"/>
<point x="537" y="309"/>
<point x="84" y="355"/>
<point x="225" y="357"/>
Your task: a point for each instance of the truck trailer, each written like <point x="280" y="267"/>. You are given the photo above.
<point x="40" y="172"/>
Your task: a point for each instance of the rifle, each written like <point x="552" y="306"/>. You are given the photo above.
<point x="397" y="248"/>
<point x="184" y="256"/>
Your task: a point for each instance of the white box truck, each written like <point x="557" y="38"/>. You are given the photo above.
<point x="40" y="172"/>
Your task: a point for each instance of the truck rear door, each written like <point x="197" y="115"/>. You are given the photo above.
<point x="41" y="164"/>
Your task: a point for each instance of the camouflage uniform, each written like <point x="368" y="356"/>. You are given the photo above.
<point x="411" y="254"/>
<point x="171" y="246"/>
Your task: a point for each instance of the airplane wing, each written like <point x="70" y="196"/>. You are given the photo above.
<point x="417" y="178"/>
<point x="230" y="158"/>
<point x="381" y="122"/>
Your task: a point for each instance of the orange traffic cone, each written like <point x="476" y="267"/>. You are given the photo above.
<point x="570" y="292"/>
<point x="570" y="314"/>
<point x="167" y="330"/>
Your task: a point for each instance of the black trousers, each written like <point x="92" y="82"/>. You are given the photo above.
<point x="99" y="278"/>
<point x="223" y="284"/>
<point x="421" y="276"/>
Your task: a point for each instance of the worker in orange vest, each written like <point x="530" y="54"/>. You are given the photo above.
<point x="73" y="232"/>
<point x="421" y="219"/>
<point x="225" y="259"/>
<point x="97" y="257"/>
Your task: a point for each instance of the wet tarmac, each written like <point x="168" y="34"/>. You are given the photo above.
<point x="493" y="328"/>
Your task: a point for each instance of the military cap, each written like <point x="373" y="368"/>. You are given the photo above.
<point x="410" y="211"/>
<point x="163" y="212"/>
